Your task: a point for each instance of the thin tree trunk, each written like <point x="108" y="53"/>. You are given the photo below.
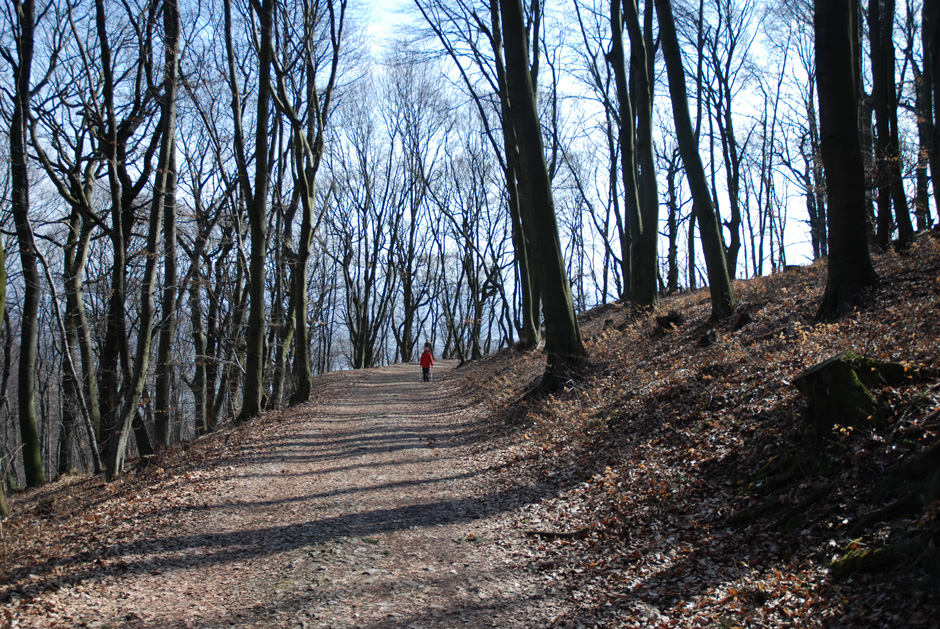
<point x="117" y="449"/>
<point x="71" y="371"/>
<point x="162" y="393"/>
<point x="672" y="225"/>
<point x="4" y="507"/>
<point x="722" y="296"/>
<point x="887" y="156"/>
<point x="633" y="225"/>
<point x="308" y="154"/>
<point x="930" y="24"/>
<point x="258" y="226"/>
<point x="115" y="332"/>
<point x="19" y="205"/>
<point x="163" y="192"/>
<point x="165" y="360"/>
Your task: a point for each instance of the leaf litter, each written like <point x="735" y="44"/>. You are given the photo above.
<point x="673" y="485"/>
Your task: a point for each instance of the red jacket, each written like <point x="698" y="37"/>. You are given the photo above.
<point x="426" y="359"/>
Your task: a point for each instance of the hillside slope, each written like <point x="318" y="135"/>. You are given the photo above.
<point x="710" y="501"/>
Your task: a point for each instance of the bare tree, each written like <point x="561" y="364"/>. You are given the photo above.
<point x="887" y="176"/>
<point x="562" y="333"/>
<point x="849" y="264"/>
<point x="21" y="17"/>
<point x="722" y="297"/>
<point x="930" y="23"/>
<point x="320" y="40"/>
<point x="255" y="196"/>
<point x="165" y="194"/>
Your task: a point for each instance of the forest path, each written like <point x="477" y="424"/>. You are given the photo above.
<point x="375" y="505"/>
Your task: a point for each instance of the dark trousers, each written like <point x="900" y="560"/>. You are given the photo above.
<point x="427" y="373"/>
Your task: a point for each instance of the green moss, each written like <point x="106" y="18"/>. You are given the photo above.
<point x="863" y="558"/>
<point x="873" y="372"/>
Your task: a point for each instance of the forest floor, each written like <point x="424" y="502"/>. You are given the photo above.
<point x="677" y="483"/>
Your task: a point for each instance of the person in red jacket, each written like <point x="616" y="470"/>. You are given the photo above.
<point x="427" y="360"/>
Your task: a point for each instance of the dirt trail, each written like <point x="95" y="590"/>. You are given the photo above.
<point x="373" y="506"/>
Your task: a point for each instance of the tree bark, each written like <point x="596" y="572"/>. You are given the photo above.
<point x="645" y="263"/>
<point x="633" y="225"/>
<point x="258" y="226"/>
<point x="562" y="334"/>
<point x="930" y="25"/>
<point x="4" y="506"/>
<point x="719" y="282"/>
<point x="162" y="393"/>
<point x="887" y="157"/>
<point x="19" y="205"/>
<point x="530" y="296"/>
<point x="163" y="193"/>
<point x="115" y="333"/>
<point x="849" y="265"/>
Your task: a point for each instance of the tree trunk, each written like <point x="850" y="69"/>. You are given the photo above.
<point x="163" y="192"/>
<point x="626" y="135"/>
<point x="303" y="378"/>
<point x="258" y="226"/>
<point x="530" y="297"/>
<point x="73" y="255"/>
<point x="719" y="282"/>
<point x="115" y="331"/>
<point x="820" y="231"/>
<point x="308" y="163"/>
<point x="198" y="385"/>
<point x="165" y="359"/>
<point x="562" y="333"/>
<point x="129" y="417"/>
<point x="849" y="265"/>
<point x="19" y="205"/>
<point x="645" y="264"/>
<point x="4" y="507"/>
<point x="930" y="24"/>
<point x="227" y="381"/>
<point x="162" y="394"/>
<point x="887" y="157"/>
<point x="672" y="225"/>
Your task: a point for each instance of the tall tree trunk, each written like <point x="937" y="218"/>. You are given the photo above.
<point x="530" y="296"/>
<point x="849" y="265"/>
<point x="633" y="225"/>
<point x="19" y="205"/>
<point x="303" y="378"/>
<point x="820" y="233"/>
<point x="887" y="157"/>
<point x="163" y="193"/>
<point x="162" y="405"/>
<point x="930" y="23"/>
<point x="4" y="507"/>
<point x="129" y="417"/>
<point x="115" y="331"/>
<point x="719" y="283"/>
<point x="258" y="226"/>
<point x="165" y="360"/>
<point x="562" y="333"/>
<point x="645" y="264"/>
<point x="924" y="128"/>
<point x="308" y="149"/>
